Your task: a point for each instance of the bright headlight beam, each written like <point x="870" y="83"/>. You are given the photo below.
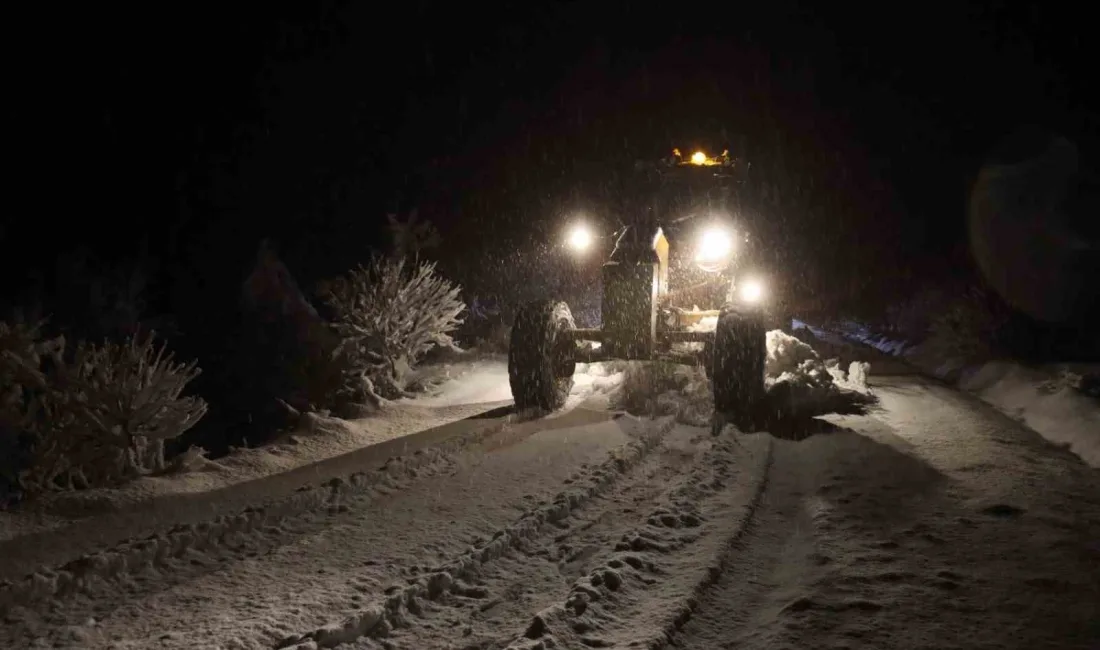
<point x="751" y="291"/>
<point x="579" y="238"/>
<point x="715" y="244"/>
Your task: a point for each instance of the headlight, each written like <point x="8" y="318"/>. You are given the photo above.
<point x="751" y="291"/>
<point x="714" y="247"/>
<point x="579" y="238"/>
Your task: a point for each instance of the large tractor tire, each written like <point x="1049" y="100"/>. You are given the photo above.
<point x="542" y="356"/>
<point x="737" y="371"/>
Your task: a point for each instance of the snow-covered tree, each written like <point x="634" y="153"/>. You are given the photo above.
<point x="96" y="417"/>
<point x="388" y="314"/>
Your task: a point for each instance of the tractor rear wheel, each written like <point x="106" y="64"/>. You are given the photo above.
<point x="542" y="356"/>
<point x="737" y="371"/>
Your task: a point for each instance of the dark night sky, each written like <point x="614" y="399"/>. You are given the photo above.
<point x="204" y="131"/>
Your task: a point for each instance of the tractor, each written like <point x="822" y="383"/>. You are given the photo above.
<point x="654" y="280"/>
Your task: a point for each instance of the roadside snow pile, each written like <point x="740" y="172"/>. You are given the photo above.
<point x="801" y="385"/>
<point x="790" y="358"/>
<point x="1061" y="402"/>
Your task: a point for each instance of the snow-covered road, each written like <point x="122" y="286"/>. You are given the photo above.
<point x="941" y="524"/>
<point x="935" y="523"/>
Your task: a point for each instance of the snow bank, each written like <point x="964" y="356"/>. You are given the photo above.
<point x="1054" y="400"/>
<point x="317" y="438"/>
<point x="801" y="385"/>
<point x="1049" y="400"/>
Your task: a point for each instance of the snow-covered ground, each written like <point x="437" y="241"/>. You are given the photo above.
<point x="482" y="380"/>
<point x="933" y="522"/>
<point x="461" y="393"/>
<point x="317" y="439"/>
<point x="1053" y="399"/>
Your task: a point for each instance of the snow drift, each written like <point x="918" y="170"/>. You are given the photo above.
<point x="1058" y="401"/>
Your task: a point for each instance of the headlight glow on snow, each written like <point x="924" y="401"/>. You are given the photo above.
<point x="579" y="238"/>
<point x="715" y="246"/>
<point x="751" y="291"/>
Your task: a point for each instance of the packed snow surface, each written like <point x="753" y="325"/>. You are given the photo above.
<point x="477" y="382"/>
<point x="934" y="522"/>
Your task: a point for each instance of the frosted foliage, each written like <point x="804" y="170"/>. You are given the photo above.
<point x="388" y="315"/>
<point x="99" y="417"/>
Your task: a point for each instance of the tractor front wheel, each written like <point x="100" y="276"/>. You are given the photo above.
<point x="542" y="356"/>
<point x="737" y="370"/>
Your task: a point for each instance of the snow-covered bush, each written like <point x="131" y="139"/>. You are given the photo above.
<point x="96" y="417"/>
<point x="388" y="315"/>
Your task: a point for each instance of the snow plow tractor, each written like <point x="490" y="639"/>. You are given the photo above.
<point x="673" y="289"/>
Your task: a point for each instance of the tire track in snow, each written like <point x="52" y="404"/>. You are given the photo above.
<point x="502" y="595"/>
<point x="758" y="582"/>
<point x="402" y="606"/>
<point x="254" y="531"/>
<point x="253" y="602"/>
<point x="651" y="584"/>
